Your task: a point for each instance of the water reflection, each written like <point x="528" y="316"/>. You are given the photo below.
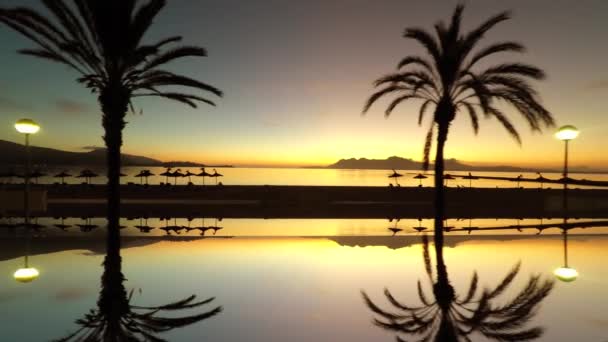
<point x="26" y="274"/>
<point x="451" y="317"/>
<point x="116" y="318"/>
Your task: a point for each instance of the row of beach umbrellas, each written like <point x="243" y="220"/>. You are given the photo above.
<point x="87" y="175"/>
<point x="470" y="177"/>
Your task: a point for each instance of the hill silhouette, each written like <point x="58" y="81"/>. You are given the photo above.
<point x="13" y="154"/>
<point x="399" y="163"/>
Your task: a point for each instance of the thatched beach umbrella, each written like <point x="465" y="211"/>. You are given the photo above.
<point x="87" y="175"/>
<point x="396" y="176"/>
<point x="167" y="174"/>
<point x="216" y="175"/>
<point x="419" y="228"/>
<point x="541" y="179"/>
<point x="420" y="177"/>
<point x="189" y="175"/>
<point x="62" y="175"/>
<point x="177" y="174"/>
<point x="448" y="177"/>
<point x="88" y="226"/>
<point x="62" y="225"/>
<point x="37" y="174"/>
<point x="470" y="177"/>
<point x="141" y="175"/>
<point x="203" y="174"/>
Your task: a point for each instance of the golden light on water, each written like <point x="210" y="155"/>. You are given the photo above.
<point x="27" y="126"/>
<point x="26" y="275"/>
<point x="566" y="274"/>
<point x="567" y="132"/>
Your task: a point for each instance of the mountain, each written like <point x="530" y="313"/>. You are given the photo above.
<point x="393" y="163"/>
<point x="13" y="154"/>
<point x="399" y="163"/>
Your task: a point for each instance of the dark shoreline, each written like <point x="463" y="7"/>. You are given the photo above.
<point x="323" y="202"/>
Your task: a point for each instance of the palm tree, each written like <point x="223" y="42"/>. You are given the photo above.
<point x="450" y="317"/>
<point x="102" y="42"/>
<point x="451" y="81"/>
<point x="117" y="319"/>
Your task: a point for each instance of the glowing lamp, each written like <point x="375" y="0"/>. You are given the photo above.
<point x="27" y="126"/>
<point x="567" y="132"/>
<point x="566" y="274"/>
<point x="26" y="275"/>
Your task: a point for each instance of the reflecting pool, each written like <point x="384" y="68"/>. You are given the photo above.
<point x="266" y="287"/>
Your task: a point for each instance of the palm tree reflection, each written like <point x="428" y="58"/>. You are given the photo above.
<point x="450" y="317"/>
<point x="117" y="319"/>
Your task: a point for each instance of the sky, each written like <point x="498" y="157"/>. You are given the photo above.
<point x="297" y="73"/>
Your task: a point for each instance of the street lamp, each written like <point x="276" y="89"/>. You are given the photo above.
<point x="565" y="273"/>
<point x="566" y="133"/>
<point x="27" y="127"/>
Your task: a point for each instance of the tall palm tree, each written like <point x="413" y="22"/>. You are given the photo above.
<point x="451" y="80"/>
<point x="450" y="318"/>
<point x="117" y="319"/>
<point x="103" y="42"/>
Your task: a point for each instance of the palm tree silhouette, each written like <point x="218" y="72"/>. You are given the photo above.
<point x="102" y="41"/>
<point x="117" y="319"/>
<point x="449" y="317"/>
<point x="450" y="81"/>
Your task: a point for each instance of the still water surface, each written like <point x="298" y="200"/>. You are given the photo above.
<point x="330" y="177"/>
<point x="289" y="288"/>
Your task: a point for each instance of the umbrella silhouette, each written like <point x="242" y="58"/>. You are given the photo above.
<point x="62" y="175"/>
<point x="203" y="174"/>
<point x="62" y="225"/>
<point x="470" y="177"/>
<point x="395" y="229"/>
<point x="420" y="228"/>
<point x="420" y="177"/>
<point x="87" y="175"/>
<point x="144" y="227"/>
<point x="541" y="179"/>
<point x="448" y="177"/>
<point x="189" y="175"/>
<point x="88" y="226"/>
<point x="10" y="175"/>
<point x="176" y="175"/>
<point x="215" y="227"/>
<point x="518" y="179"/>
<point x="167" y="174"/>
<point x="141" y="175"/>
<point x="396" y="176"/>
<point x="37" y="174"/>
<point x="449" y="317"/>
<point x="216" y="175"/>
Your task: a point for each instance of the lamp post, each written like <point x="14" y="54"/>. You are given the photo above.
<point x="566" y="133"/>
<point x="565" y="273"/>
<point x="27" y="127"/>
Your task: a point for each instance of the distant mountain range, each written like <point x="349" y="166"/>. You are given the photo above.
<point x="13" y="154"/>
<point x="399" y="163"/>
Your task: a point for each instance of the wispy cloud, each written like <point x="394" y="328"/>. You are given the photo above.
<point x="597" y="84"/>
<point x="92" y="148"/>
<point x="66" y="106"/>
<point x="69" y="294"/>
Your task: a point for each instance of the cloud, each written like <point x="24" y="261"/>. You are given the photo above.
<point x="10" y="104"/>
<point x="66" y="106"/>
<point x="92" y="148"/>
<point x="598" y="84"/>
<point x="69" y="294"/>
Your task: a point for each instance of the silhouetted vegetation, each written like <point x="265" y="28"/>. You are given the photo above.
<point x="117" y="319"/>
<point x="449" y="317"/>
<point x="451" y="81"/>
<point x="102" y="41"/>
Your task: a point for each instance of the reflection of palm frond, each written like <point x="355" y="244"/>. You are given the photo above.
<point x="452" y="318"/>
<point x="138" y="323"/>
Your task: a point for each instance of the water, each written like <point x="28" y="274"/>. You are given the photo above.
<point x="293" y="287"/>
<point x="335" y="177"/>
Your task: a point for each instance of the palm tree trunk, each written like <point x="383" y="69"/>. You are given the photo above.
<point x="113" y="302"/>
<point x="439" y="188"/>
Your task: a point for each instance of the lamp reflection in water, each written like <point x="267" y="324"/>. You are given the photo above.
<point x="26" y="274"/>
<point x="26" y="127"/>
<point x="449" y="317"/>
<point x="565" y="273"/>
